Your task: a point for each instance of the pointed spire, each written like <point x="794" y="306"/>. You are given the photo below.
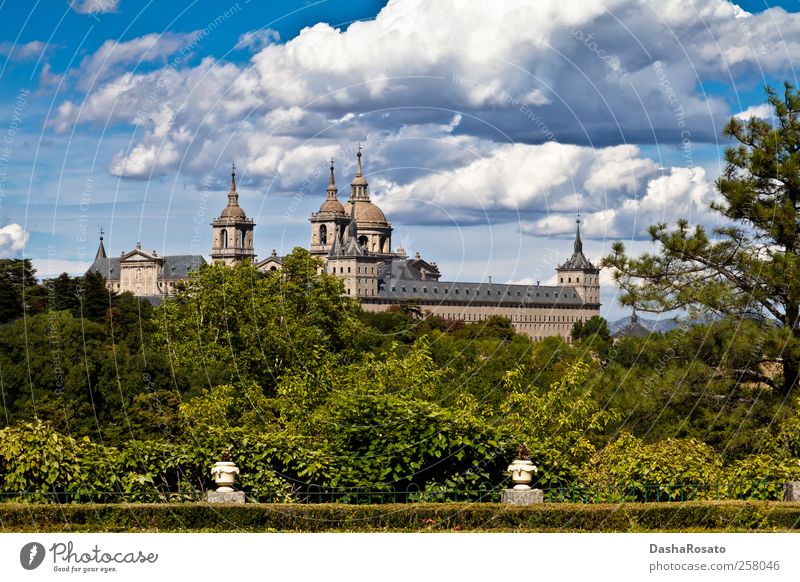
<point x="578" y="243"/>
<point x="101" y="250"/>
<point x="358" y="187"/>
<point x="233" y="195"/>
<point x="351" y="246"/>
<point x="332" y="189"/>
<point x="336" y="247"/>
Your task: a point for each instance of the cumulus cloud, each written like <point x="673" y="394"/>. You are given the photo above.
<point x="113" y="57"/>
<point x="524" y="178"/>
<point x="23" y="52"/>
<point x="258" y="39"/>
<point x="679" y="193"/>
<point x="12" y="240"/>
<point x="762" y="110"/>
<point x="582" y="73"/>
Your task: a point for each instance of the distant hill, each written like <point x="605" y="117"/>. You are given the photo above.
<point x="658" y="325"/>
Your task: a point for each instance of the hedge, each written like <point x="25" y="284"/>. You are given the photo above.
<point x="418" y="517"/>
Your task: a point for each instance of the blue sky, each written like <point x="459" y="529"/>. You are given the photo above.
<point x="485" y="128"/>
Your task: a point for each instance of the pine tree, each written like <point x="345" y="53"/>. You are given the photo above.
<point x="752" y="267"/>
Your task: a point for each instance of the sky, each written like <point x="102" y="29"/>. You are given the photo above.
<point x="485" y="127"/>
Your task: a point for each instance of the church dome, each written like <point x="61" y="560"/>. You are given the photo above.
<point x="365" y="211"/>
<point x="333" y="206"/>
<point x="232" y="212"/>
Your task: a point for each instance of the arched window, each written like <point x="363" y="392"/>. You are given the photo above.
<point x="224" y="239"/>
<point x="323" y="235"/>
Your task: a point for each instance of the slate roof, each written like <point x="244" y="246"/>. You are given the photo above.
<point x="578" y="260"/>
<point x="465" y="293"/>
<point x="633" y="329"/>
<point x="175" y="266"/>
<point x="405" y="268"/>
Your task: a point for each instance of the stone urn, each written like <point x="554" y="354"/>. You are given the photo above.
<point x="224" y="473"/>
<point x="522" y="470"/>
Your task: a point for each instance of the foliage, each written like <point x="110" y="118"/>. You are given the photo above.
<point x="674" y="467"/>
<point x="762" y="476"/>
<point x="414" y="517"/>
<point x="595" y="328"/>
<point x="229" y="406"/>
<point x="559" y="425"/>
<point x="749" y="268"/>
<point x="233" y="323"/>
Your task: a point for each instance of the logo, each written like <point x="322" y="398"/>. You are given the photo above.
<point x="31" y="555"/>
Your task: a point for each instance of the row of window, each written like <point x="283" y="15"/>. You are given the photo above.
<point x="478" y="304"/>
<point x="477" y="292"/>
<point x="518" y="318"/>
<point x="366" y="270"/>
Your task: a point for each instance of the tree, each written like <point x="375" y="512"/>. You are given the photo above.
<point x="17" y="279"/>
<point x="95" y="297"/>
<point x="232" y="323"/>
<point x="596" y="327"/>
<point x="63" y="294"/>
<point x="560" y="426"/>
<point x="752" y="267"/>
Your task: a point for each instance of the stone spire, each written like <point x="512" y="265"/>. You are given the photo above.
<point x="101" y="250"/>
<point x="578" y="260"/>
<point x="578" y="247"/>
<point x="233" y="195"/>
<point x="332" y="189"/>
<point x="358" y="187"/>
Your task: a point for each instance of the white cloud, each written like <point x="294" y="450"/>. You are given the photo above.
<point x="94" y="6"/>
<point x="23" y="52"/>
<point x="113" y="57"/>
<point x="514" y="71"/>
<point x="762" y="110"/>
<point x="258" y="39"/>
<point x="680" y="193"/>
<point x="522" y="178"/>
<point x="12" y="240"/>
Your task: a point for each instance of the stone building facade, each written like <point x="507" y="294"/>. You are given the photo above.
<point x="144" y="273"/>
<point x="354" y="242"/>
<point x="232" y="232"/>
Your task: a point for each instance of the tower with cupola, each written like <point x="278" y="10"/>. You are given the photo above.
<point x="232" y="232"/>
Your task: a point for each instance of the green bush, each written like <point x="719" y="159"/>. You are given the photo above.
<point x="421" y="517"/>
<point x="670" y="469"/>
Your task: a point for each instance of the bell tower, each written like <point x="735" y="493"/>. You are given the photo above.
<point x="232" y="232"/>
<point x="328" y="222"/>
<point x="578" y="272"/>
